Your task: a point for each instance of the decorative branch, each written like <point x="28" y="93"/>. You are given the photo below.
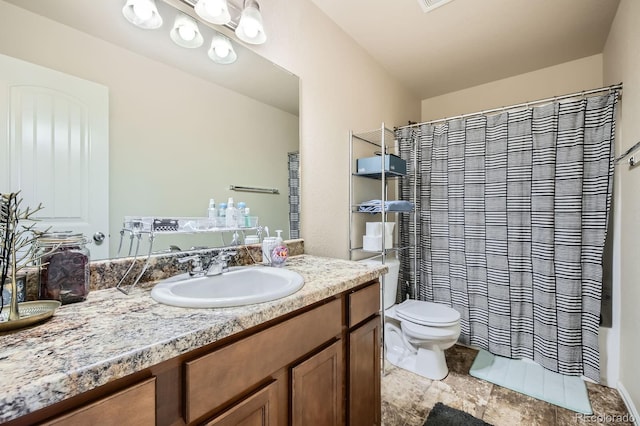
<point x="17" y="248"/>
<point x="5" y="232"/>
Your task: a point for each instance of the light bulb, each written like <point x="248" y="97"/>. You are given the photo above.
<point x="251" y="28"/>
<point x="143" y="11"/>
<point x="187" y="32"/>
<point x="213" y="8"/>
<point x="214" y="11"/>
<point x="222" y="50"/>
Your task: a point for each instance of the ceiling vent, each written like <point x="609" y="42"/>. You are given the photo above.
<point x="429" y="5"/>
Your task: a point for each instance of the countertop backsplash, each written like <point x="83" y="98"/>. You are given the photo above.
<point x="107" y="273"/>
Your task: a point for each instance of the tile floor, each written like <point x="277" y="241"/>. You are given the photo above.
<point x="407" y="399"/>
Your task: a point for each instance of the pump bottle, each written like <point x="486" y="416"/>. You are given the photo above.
<point x="212" y="212"/>
<point x="232" y="214"/>
<point x="280" y="252"/>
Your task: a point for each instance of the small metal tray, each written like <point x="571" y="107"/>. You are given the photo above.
<point x="30" y="313"/>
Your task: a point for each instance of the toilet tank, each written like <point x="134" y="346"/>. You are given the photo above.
<point x="390" y="279"/>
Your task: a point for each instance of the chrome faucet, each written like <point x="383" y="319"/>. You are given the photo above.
<point x="194" y="268"/>
<point x="220" y="263"/>
<point x="205" y="265"/>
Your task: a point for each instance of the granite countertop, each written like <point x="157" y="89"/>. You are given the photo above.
<point x="111" y="335"/>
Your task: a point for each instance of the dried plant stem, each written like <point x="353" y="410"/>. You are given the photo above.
<point x="17" y="248"/>
<point x="14" y="314"/>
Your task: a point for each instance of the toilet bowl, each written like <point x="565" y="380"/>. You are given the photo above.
<point x="416" y="333"/>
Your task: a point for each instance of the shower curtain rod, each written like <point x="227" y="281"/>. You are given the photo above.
<point x="522" y="105"/>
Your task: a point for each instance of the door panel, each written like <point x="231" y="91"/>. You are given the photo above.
<point x="54" y="147"/>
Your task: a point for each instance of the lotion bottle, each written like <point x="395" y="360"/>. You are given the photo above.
<point x="212" y="212"/>
<point x="268" y="244"/>
<point x="232" y="214"/>
<point x="241" y="209"/>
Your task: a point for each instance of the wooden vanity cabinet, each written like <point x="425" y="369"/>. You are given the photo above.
<point x="214" y="380"/>
<point x="132" y="405"/>
<point x="316" y="389"/>
<point x="317" y="366"/>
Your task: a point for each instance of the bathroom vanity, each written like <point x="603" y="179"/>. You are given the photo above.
<point x="310" y="358"/>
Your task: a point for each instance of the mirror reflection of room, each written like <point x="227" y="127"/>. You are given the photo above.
<point x="176" y="129"/>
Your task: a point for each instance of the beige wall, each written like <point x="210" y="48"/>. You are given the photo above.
<point x="175" y="140"/>
<point x="341" y="89"/>
<point x="622" y="64"/>
<point x="581" y="74"/>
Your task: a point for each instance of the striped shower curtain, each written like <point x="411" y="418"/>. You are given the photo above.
<point x="294" y="194"/>
<point x="512" y="221"/>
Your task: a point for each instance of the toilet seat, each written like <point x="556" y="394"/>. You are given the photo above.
<point x="427" y="313"/>
<point x="425" y="332"/>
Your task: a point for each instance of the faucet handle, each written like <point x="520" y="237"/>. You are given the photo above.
<point x="195" y="267"/>
<point x="225" y="255"/>
<point x="189" y="259"/>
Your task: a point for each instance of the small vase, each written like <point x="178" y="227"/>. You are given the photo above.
<point x="7" y="290"/>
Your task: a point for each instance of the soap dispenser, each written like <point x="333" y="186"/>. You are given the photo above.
<point x="280" y="252"/>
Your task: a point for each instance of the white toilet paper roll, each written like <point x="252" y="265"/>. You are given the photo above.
<point x="374" y="229"/>
<point x="372" y="243"/>
<point x="388" y="234"/>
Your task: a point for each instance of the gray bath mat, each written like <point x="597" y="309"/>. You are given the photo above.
<point x="532" y="379"/>
<point x="443" y="415"/>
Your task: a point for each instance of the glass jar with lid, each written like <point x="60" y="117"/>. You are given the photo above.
<point x="64" y="267"/>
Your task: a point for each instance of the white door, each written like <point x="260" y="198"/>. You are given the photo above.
<point x="54" y="148"/>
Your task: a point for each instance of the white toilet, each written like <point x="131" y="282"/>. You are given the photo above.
<point x="416" y="333"/>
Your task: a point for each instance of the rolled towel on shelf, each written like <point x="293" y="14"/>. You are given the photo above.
<point x="375" y="206"/>
<point x="399" y="206"/>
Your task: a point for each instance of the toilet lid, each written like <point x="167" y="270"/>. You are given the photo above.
<point x="427" y="313"/>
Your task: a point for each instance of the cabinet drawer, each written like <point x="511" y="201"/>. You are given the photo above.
<point x="135" y="405"/>
<point x="363" y="303"/>
<point x="223" y="375"/>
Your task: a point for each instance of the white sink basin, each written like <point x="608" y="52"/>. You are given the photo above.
<point x="239" y="286"/>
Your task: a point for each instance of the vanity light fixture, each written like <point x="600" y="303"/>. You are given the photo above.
<point x="246" y="22"/>
<point x="185" y="32"/>
<point x="250" y="28"/>
<point x="142" y="13"/>
<point x="221" y="50"/>
<point x="214" y="11"/>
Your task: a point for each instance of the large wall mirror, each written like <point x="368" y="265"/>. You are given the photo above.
<point x="181" y="128"/>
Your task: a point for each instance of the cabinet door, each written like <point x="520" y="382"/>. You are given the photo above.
<point x="364" y="374"/>
<point x="317" y="389"/>
<point x="258" y="409"/>
<point x="135" y="405"/>
<point x="220" y="376"/>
